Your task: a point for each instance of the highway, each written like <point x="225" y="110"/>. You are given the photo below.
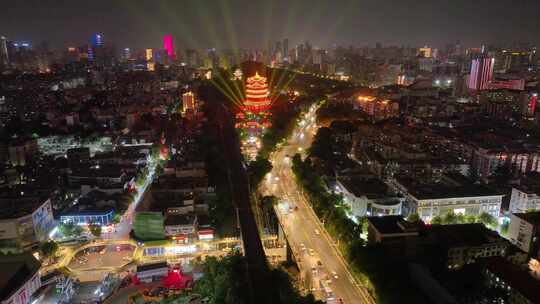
<point x="306" y="235"/>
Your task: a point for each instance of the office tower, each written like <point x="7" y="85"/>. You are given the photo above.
<point x="481" y="73"/>
<point x="169" y="46"/>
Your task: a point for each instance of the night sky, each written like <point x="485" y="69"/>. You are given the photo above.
<point x="243" y="23"/>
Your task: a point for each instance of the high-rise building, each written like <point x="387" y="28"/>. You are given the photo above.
<point x="425" y="52"/>
<point x="97" y="40"/>
<point x="148" y="54"/>
<point x="169" y="46"/>
<point x="126" y="54"/>
<point x="481" y="73"/>
<point x="4" y="57"/>
<point x="286" y="49"/>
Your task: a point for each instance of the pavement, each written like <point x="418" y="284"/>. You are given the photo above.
<point x="309" y="240"/>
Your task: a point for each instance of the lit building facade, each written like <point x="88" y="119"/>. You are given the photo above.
<point x="169" y="46"/>
<point x="481" y="73"/>
<point x="188" y="102"/>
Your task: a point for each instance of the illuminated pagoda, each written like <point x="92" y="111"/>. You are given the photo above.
<point x="257" y="95"/>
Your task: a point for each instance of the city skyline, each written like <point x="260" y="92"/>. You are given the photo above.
<point x="231" y="25"/>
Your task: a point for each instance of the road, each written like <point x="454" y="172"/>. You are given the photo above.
<point x="305" y="233"/>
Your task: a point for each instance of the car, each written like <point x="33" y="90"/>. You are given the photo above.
<point x="317" y="232"/>
<point x="335" y="275"/>
<point x="311" y="252"/>
<point x="314" y="270"/>
<point x="319" y="263"/>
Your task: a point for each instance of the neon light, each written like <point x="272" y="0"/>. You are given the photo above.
<point x="169" y="46"/>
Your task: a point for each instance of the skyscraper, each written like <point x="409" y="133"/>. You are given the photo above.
<point x="286" y="49"/>
<point x="126" y="54"/>
<point x="481" y="73"/>
<point x="97" y="40"/>
<point x="4" y="57"/>
<point x="168" y="46"/>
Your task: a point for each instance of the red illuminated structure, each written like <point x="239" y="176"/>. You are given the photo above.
<point x="175" y="279"/>
<point x="169" y="46"/>
<point x="257" y="95"/>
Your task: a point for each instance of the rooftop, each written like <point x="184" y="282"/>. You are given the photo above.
<point x="371" y="187"/>
<point x="392" y="224"/>
<point x="463" y="235"/>
<point x="516" y="278"/>
<point x="180" y="219"/>
<point x="442" y="190"/>
<point x="157" y="265"/>
<point x="530" y="217"/>
<point x="16" y="270"/>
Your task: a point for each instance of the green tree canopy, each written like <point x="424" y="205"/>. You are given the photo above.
<point x="48" y="248"/>
<point x="95" y="229"/>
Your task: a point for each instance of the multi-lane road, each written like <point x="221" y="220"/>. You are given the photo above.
<point x="315" y="251"/>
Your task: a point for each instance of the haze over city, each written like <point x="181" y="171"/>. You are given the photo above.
<point x="251" y="24"/>
<point x="269" y="152"/>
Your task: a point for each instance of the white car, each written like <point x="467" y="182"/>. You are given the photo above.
<point x="317" y="232"/>
<point x="311" y="252"/>
<point x="335" y="275"/>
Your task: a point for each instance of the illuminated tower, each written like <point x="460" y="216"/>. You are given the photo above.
<point x="481" y="73"/>
<point x="257" y="95"/>
<point x="168" y="45"/>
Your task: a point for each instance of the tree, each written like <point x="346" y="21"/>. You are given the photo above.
<point x="116" y="218"/>
<point x="269" y="201"/>
<point x="470" y="219"/>
<point x="95" y="229"/>
<point x="69" y="229"/>
<point x="414" y="218"/>
<point x="504" y="227"/>
<point x="437" y="220"/>
<point x="258" y="169"/>
<point x="48" y="248"/>
<point x="487" y="219"/>
<point x="450" y="218"/>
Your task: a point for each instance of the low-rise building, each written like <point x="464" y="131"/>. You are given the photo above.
<point x="524" y="231"/>
<point x="466" y="243"/>
<point x="519" y="286"/>
<point x="437" y="199"/>
<point x="24" y="222"/>
<point x="525" y="197"/>
<point x="20" y="279"/>
<point x="368" y="196"/>
<point x="101" y="216"/>
<point x="459" y="244"/>
<point x="98" y="175"/>
<point x="180" y="224"/>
